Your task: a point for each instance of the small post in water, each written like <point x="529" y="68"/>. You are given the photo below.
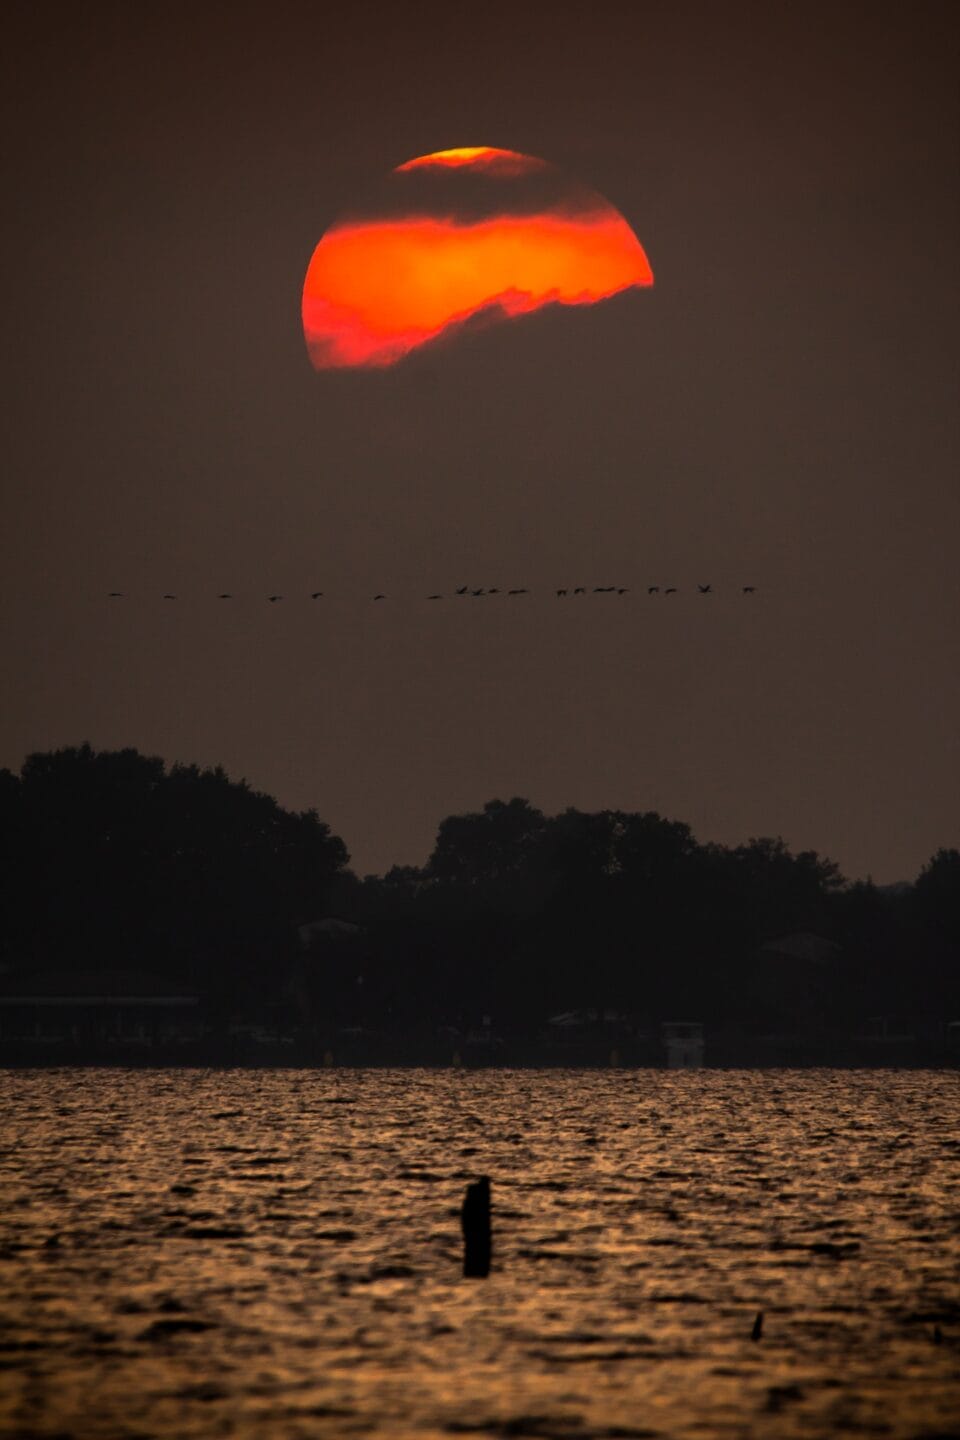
<point x="475" y="1219"/>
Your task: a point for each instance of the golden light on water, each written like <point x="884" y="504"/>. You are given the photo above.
<point x="277" y="1252"/>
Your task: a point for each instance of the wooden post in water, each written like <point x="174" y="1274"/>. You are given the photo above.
<point x="475" y="1220"/>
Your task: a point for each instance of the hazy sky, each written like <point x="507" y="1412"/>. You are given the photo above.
<point x="780" y="409"/>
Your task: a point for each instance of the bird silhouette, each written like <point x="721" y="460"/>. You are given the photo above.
<point x="494" y="590"/>
<point x="757" y="1330"/>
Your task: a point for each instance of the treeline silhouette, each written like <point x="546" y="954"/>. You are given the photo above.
<point x="115" y="861"/>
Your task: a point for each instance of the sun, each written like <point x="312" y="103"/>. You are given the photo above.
<point x="455" y="234"/>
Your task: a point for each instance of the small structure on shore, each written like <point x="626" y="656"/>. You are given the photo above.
<point x="112" y="1007"/>
<point x="330" y="928"/>
<point x="684" y="1044"/>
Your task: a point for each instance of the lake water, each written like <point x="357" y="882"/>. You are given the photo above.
<point x="277" y="1253"/>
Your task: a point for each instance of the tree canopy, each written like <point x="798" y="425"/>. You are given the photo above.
<point x="111" y="858"/>
<point x="115" y="859"/>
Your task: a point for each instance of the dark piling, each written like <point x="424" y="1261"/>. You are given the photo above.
<point x="475" y="1220"/>
<point x="757" y="1330"/>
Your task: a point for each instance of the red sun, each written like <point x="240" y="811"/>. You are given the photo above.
<point x="455" y="234"/>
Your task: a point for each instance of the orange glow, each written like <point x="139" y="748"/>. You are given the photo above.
<point x="477" y="156"/>
<point x="375" y="291"/>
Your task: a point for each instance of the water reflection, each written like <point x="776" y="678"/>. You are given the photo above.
<point x="253" y="1253"/>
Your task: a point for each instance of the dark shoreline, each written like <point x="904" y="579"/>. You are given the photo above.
<point x="766" y="1055"/>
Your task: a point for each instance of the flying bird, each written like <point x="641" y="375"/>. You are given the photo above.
<point x="705" y="589"/>
<point x="520" y="592"/>
<point x="274" y="598"/>
<point x="379" y="597"/>
<point x="434" y="597"/>
<point x="749" y="589"/>
<point x="481" y="591"/>
<point x="623" y="590"/>
<point x="316" y="595"/>
<point x="670" y="590"/>
<point x="653" y="589"/>
<point x="462" y="589"/>
<point x="225" y="596"/>
<point x="580" y="590"/>
<point x="560" y="592"/>
<point x="116" y="595"/>
<point x="169" y="597"/>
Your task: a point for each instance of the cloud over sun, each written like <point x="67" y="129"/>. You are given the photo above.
<point x="456" y="234"/>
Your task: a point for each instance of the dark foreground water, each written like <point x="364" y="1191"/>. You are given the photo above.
<point x="277" y="1254"/>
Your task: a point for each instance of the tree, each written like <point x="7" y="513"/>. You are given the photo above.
<point x="936" y="907"/>
<point x="486" y="848"/>
<point x="127" y="864"/>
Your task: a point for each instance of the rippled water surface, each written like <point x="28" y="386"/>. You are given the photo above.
<point x="277" y="1253"/>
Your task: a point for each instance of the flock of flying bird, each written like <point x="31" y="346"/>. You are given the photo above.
<point x="466" y="590"/>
